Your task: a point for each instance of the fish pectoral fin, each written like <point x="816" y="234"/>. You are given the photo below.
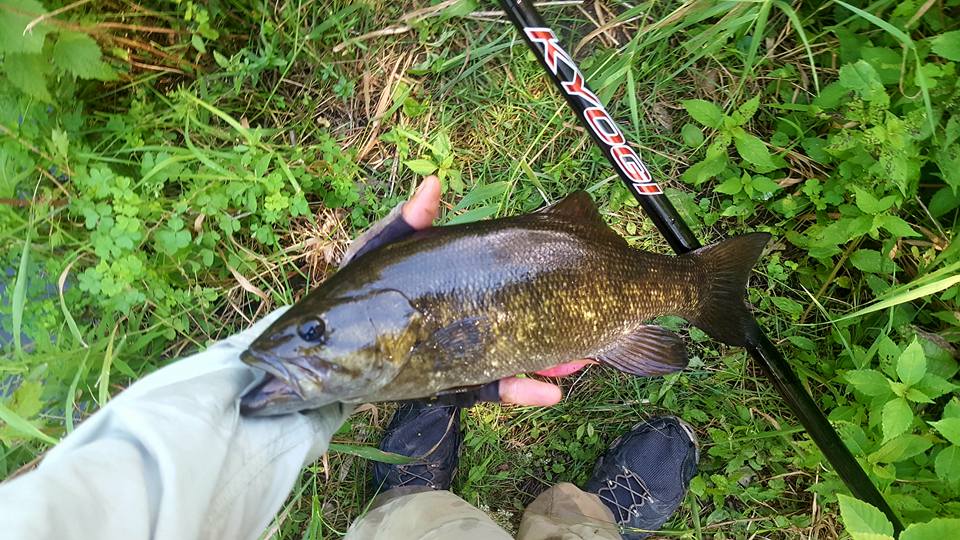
<point x="647" y="350"/>
<point x="463" y="338"/>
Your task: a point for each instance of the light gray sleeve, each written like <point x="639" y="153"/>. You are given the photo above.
<point x="171" y="457"/>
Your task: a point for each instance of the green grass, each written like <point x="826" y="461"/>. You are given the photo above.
<point x="224" y="166"/>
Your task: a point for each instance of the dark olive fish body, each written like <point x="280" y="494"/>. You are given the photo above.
<point x="464" y="305"/>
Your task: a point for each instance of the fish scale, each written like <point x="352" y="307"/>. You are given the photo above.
<point x="459" y="306"/>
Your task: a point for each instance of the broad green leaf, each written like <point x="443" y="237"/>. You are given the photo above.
<point x="948" y="161"/>
<point x="869" y="382"/>
<point x="943" y="202"/>
<point x="702" y="171"/>
<point x="79" y="54"/>
<point x="764" y="185"/>
<point x="869" y="204"/>
<point x="903" y="447"/>
<point x="692" y="135"/>
<point x="19" y="424"/>
<point x="897" y="417"/>
<point x="801" y="342"/>
<point x="947" y="45"/>
<point x="934" y="386"/>
<point x="28" y="73"/>
<point x="748" y="109"/>
<point x="917" y="396"/>
<point x="788" y="305"/>
<point x="422" y="167"/>
<point x="952" y="408"/>
<point x="949" y="428"/>
<point x="862" y="520"/>
<point x="912" y="364"/>
<point x="886" y="61"/>
<point x="440" y="145"/>
<point x="872" y="261"/>
<point x="197" y="41"/>
<point x="952" y="131"/>
<point x="862" y="79"/>
<point x="704" y="112"/>
<point x="897" y="227"/>
<point x="730" y="186"/>
<point x="947" y="464"/>
<point x="15" y="15"/>
<point x="753" y="150"/>
<point x="888" y="349"/>
<point x="935" y="529"/>
<point x="27" y="399"/>
<point x="460" y="8"/>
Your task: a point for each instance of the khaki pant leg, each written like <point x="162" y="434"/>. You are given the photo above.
<point x="428" y="515"/>
<point x="565" y="512"/>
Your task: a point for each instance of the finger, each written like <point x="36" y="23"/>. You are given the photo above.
<point x="529" y="392"/>
<point x="420" y="211"/>
<point x="568" y="368"/>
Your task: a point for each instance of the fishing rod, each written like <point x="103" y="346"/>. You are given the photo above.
<point x="568" y="78"/>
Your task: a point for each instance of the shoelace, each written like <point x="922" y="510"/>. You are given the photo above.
<point x="631" y="488"/>
<point x="412" y="472"/>
<point x="424" y="472"/>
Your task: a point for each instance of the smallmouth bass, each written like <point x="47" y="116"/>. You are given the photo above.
<point x="464" y="305"/>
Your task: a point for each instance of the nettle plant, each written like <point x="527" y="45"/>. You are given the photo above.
<point x="863" y="143"/>
<point x="863" y="180"/>
<point x="745" y="180"/>
<point x="903" y="426"/>
<point x="38" y="53"/>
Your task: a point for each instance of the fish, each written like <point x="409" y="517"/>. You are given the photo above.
<point x="458" y="306"/>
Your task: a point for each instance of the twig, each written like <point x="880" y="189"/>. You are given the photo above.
<point x="388" y="31"/>
<point x="920" y="12"/>
<point x="53" y="13"/>
<point x="833" y="273"/>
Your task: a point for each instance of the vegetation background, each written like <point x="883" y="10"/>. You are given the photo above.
<point x="172" y="170"/>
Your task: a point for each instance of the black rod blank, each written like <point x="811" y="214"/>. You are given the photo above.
<point x="564" y="73"/>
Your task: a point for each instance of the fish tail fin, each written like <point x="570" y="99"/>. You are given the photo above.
<point x="724" y="314"/>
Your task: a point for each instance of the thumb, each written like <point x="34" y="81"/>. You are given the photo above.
<point x="420" y="211"/>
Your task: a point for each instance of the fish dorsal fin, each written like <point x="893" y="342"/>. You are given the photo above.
<point x="647" y="350"/>
<point x="577" y="205"/>
<point x="579" y="208"/>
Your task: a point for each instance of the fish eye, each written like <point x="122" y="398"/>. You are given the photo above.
<point x="311" y="330"/>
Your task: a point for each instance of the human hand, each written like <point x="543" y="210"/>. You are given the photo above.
<point x="419" y="213"/>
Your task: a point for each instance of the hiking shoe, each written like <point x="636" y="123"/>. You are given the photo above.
<point x="429" y="433"/>
<point x="645" y="474"/>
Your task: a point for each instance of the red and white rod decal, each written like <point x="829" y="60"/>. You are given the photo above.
<point x="598" y="120"/>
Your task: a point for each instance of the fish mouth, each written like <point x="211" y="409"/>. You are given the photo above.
<point x="273" y="367"/>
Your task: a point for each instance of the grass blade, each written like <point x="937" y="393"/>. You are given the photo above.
<point x="21" y="425"/>
<point x="371" y="453"/>
<point x="904" y="297"/>
<point x="70" y="402"/>
<point x="19" y="299"/>
<point x="798" y="28"/>
<point x="72" y="324"/>
<point x="880" y="23"/>
<point x="103" y="381"/>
